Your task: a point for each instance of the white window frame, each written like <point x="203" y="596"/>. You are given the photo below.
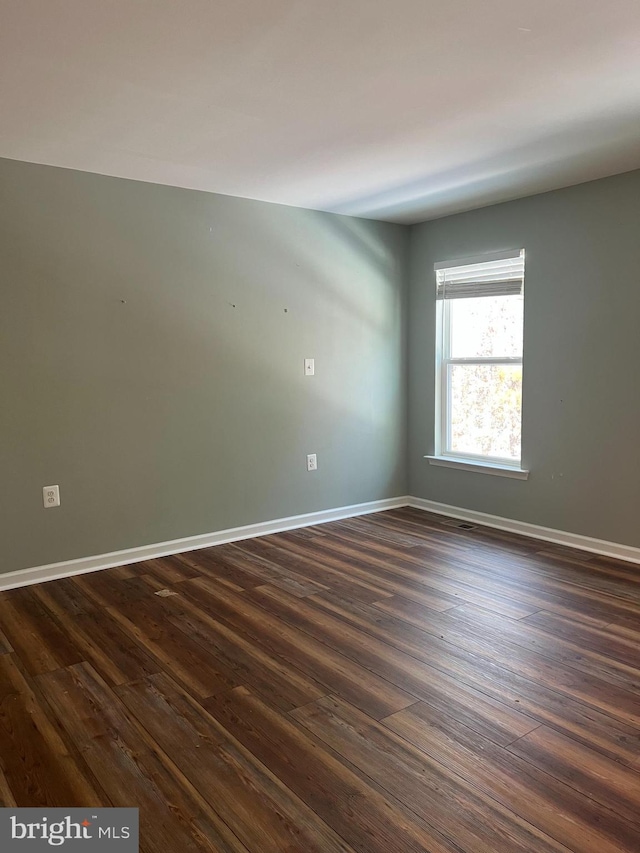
<point x="444" y="455"/>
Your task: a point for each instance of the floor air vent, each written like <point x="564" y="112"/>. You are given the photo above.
<point x="461" y="525"/>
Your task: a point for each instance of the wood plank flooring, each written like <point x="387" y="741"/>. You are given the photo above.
<point x="385" y="684"/>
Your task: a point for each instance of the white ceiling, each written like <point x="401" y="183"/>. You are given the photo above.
<point x="393" y="109"/>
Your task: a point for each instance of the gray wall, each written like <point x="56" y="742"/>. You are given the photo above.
<point x="581" y="391"/>
<point x="151" y="362"/>
<point x="128" y="377"/>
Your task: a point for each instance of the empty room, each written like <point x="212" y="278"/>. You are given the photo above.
<point x="319" y="423"/>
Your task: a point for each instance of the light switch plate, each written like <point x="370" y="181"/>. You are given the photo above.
<point x="309" y="367"/>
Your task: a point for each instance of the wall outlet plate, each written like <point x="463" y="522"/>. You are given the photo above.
<point x="51" y="496"/>
<point x="312" y="462"/>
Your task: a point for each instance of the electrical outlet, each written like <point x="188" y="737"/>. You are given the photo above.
<point x="51" y="496"/>
<point x="312" y="462"/>
<point x="309" y="367"/>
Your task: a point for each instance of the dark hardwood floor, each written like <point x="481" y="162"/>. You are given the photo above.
<point x="385" y="684"/>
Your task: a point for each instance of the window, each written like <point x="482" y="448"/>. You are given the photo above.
<point x="479" y="360"/>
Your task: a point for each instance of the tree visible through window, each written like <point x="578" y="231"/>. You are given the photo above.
<point x="479" y="359"/>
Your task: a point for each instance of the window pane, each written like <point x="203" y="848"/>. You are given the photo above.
<point x="485" y="406"/>
<point x="486" y="326"/>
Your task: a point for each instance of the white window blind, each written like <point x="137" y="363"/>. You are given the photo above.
<point x="502" y="275"/>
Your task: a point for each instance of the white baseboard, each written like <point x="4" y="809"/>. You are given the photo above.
<point x="54" y="571"/>
<point x="534" y="531"/>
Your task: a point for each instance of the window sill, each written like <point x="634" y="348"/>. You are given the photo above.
<point x="480" y="467"/>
